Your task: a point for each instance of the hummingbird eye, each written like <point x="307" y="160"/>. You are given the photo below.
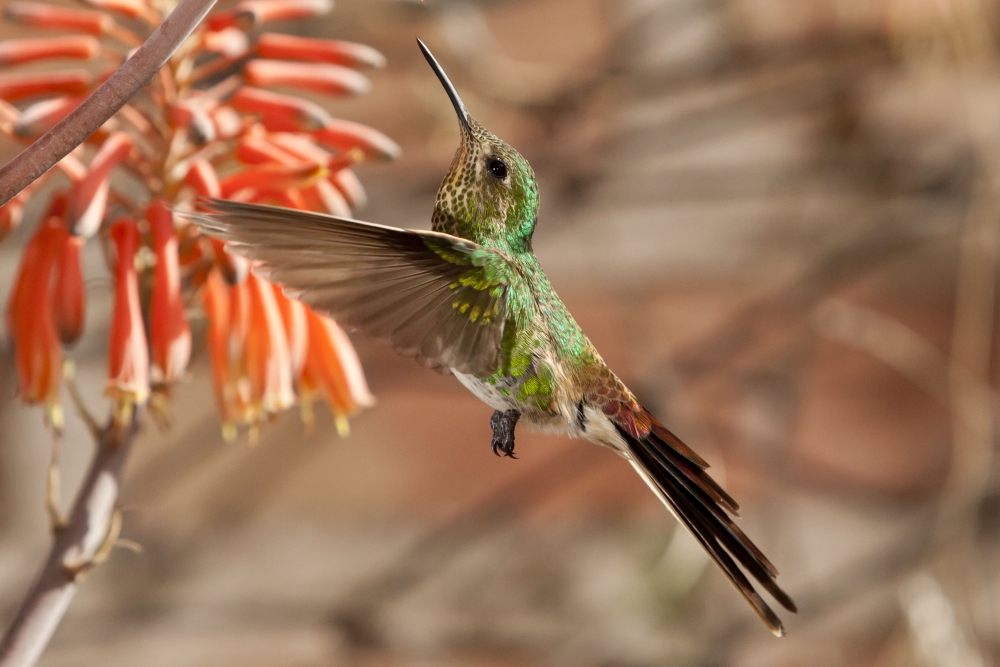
<point x="497" y="168"/>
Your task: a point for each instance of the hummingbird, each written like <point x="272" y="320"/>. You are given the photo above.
<point x="469" y="298"/>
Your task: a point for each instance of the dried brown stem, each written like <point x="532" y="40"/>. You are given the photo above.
<point x="82" y="544"/>
<point x="104" y="102"/>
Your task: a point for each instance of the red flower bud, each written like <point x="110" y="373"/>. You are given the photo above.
<point x="333" y="371"/>
<point x="69" y="298"/>
<point x="345" y="135"/>
<point x="128" y="357"/>
<point x="289" y="47"/>
<point x="256" y="12"/>
<point x="293" y="316"/>
<point x="302" y="148"/>
<point x="286" y="198"/>
<point x="272" y="178"/>
<point x="40" y="117"/>
<point x="349" y="185"/>
<point x="233" y="268"/>
<point x="20" y="86"/>
<point x="131" y="8"/>
<point x="228" y="123"/>
<point x="89" y="196"/>
<point x="38" y="354"/>
<point x="322" y="196"/>
<point x="16" y="51"/>
<point x="255" y="149"/>
<point x="41" y="15"/>
<point x="53" y="218"/>
<point x="230" y="43"/>
<point x="201" y="177"/>
<point x="169" y="335"/>
<point x="215" y="301"/>
<point x="280" y="113"/>
<point x="266" y="360"/>
<point x="321" y="77"/>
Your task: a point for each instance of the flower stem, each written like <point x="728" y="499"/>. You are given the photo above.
<point x="104" y="102"/>
<point x="79" y="546"/>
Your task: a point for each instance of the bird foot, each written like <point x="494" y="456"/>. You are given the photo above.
<point x="503" y="424"/>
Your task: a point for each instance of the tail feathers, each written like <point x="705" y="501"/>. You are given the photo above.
<point x="700" y="504"/>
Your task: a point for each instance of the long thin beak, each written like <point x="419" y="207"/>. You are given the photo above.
<point x="463" y="113"/>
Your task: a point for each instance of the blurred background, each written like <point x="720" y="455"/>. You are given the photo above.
<point x="778" y="220"/>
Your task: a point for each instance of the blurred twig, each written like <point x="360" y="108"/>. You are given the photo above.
<point x="83" y="543"/>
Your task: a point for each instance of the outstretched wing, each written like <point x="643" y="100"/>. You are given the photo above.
<point x="436" y="297"/>
<point x="677" y="475"/>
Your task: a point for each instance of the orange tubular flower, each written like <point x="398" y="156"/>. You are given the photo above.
<point x="128" y="358"/>
<point x="38" y="354"/>
<point x="336" y="52"/>
<point x="215" y="301"/>
<point x="40" y="117"/>
<point x="15" y="87"/>
<point x="333" y="372"/>
<point x="40" y="15"/>
<point x="349" y="185"/>
<point x="345" y="135"/>
<point x="302" y="148"/>
<point x="229" y="43"/>
<point x="16" y="51"/>
<point x="201" y="177"/>
<point x="232" y="267"/>
<point x="254" y="149"/>
<point x="250" y="13"/>
<point x="131" y="8"/>
<point x="321" y="77"/>
<point x="266" y="360"/>
<point x="281" y="113"/>
<point x="272" y="178"/>
<point x="323" y="196"/>
<point x="293" y="315"/>
<point x="89" y="196"/>
<point x="170" y="337"/>
<point x="228" y="123"/>
<point x="209" y="126"/>
<point x="69" y="298"/>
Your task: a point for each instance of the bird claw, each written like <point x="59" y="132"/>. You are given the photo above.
<point x="503" y="424"/>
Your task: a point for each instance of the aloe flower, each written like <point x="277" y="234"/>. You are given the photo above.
<point x="38" y="352"/>
<point x="128" y="354"/>
<point x="208" y="125"/>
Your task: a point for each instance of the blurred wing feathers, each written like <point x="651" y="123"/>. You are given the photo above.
<point x="436" y="297"/>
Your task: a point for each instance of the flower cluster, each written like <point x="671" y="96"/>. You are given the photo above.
<point x="209" y="125"/>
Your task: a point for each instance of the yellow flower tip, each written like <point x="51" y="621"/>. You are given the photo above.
<point x="55" y="417"/>
<point x="253" y="434"/>
<point x="124" y="409"/>
<point x="229" y="432"/>
<point x="343" y="426"/>
<point x="356" y="155"/>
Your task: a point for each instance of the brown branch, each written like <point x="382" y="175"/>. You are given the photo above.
<point x="82" y="544"/>
<point x="104" y="102"/>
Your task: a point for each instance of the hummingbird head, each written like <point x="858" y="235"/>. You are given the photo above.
<point x="489" y="194"/>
